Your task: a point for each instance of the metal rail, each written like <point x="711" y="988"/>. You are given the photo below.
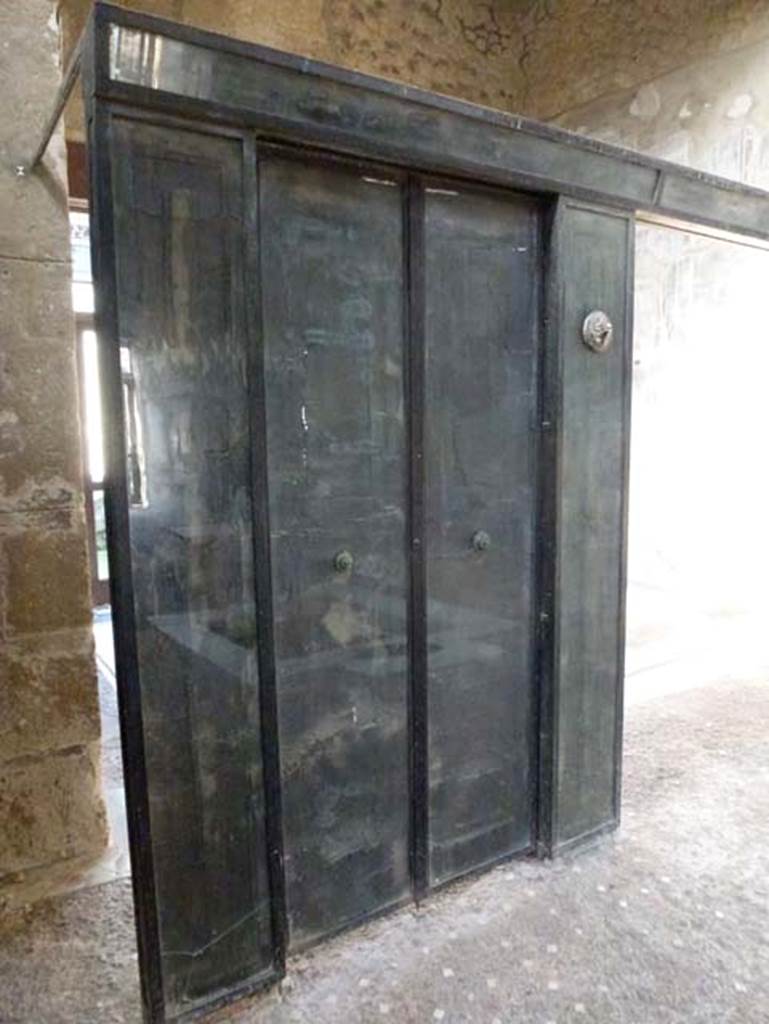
<point x="67" y="83"/>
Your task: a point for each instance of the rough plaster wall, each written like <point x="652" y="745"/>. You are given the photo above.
<point x="699" y="500"/>
<point x="712" y="114"/>
<point x="533" y="57"/>
<point x="465" y="48"/>
<point x="50" y="803"/>
<point x="576" y="51"/>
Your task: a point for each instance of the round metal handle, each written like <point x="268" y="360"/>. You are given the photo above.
<point x="597" y="331"/>
<point x="481" y="540"/>
<point x="343" y="561"/>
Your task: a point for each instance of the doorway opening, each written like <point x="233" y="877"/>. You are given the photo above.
<point x="115" y="862"/>
<point x="699" y="497"/>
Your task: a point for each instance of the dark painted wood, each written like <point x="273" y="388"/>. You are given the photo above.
<point x="482" y="266"/>
<point x="172" y="67"/>
<point x="590" y="479"/>
<point x="333" y="330"/>
<point x="547" y="518"/>
<point x="265" y="642"/>
<point x="414" y="251"/>
<point x="178" y="222"/>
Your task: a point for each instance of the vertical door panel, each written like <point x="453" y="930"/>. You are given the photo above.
<point x="481" y="330"/>
<point x="332" y="296"/>
<point x="178" y="208"/>
<point x="595" y="251"/>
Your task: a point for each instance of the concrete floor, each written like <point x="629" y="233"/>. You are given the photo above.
<point x="668" y="921"/>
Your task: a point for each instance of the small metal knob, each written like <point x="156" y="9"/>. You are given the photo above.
<point x="481" y="540"/>
<point x="597" y="331"/>
<point x="343" y="561"/>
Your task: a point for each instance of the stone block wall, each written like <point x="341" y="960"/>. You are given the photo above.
<point x="51" y="811"/>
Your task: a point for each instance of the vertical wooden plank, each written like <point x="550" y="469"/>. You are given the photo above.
<point x="589" y="410"/>
<point x="482" y="327"/>
<point x="268" y="703"/>
<point x="332" y="319"/>
<point x="414" y="354"/>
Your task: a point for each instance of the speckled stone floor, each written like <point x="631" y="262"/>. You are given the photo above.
<point x="666" y="922"/>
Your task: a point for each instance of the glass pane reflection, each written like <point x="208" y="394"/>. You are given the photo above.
<point x="178" y="208"/>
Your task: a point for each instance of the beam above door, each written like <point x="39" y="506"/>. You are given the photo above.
<point x="151" y="62"/>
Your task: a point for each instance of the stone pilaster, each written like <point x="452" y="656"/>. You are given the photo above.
<point x="51" y="809"/>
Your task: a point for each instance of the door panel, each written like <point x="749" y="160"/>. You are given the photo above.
<point x="178" y="202"/>
<point x="595" y="253"/>
<point x="332" y="320"/>
<point x="481" y="292"/>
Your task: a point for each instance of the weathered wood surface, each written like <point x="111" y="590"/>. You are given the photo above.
<point x="173" y="67"/>
<point x="332" y="271"/>
<point x="594" y="249"/>
<point x="482" y="277"/>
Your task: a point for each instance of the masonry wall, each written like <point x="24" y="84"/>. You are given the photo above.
<point x="51" y="813"/>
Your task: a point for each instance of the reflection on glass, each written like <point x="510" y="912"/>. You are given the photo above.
<point x="177" y="198"/>
<point x="481" y="287"/>
<point x="156" y="62"/>
<point x="80" y="249"/>
<point x="100" y="532"/>
<point x="80" y="245"/>
<point x="136" y="465"/>
<point x="92" y="402"/>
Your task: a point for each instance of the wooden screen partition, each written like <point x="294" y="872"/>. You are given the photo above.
<point x="586" y="414"/>
<point x="368" y="559"/>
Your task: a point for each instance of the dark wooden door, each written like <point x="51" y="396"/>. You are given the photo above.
<point x="482" y="267"/>
<point x="333" y="256"/>
<point x="332" y="269"/>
